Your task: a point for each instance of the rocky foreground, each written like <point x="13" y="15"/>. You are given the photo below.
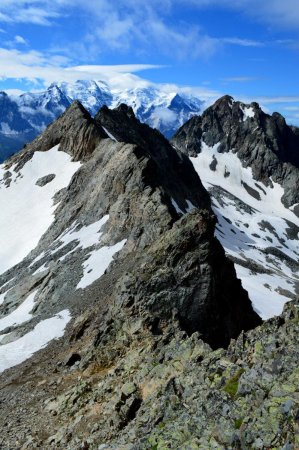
<point x="139" y="389"/>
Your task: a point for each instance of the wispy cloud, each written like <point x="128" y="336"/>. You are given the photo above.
<point x="20" y="40"/>
<point x="268" y="100"/>
<point x="38" y="68"/>
<point x="239" y="79"/>
<point x="291" y="108"/>
<point x="281" y="13"/>
<point x="125" y="25"/>
<point x="242" y="42"/>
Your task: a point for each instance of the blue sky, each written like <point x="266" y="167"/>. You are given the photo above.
<point x="246" y="48"/>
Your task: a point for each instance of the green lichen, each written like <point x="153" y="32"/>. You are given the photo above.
<point x="238" y="423"/>
<point x="232" y="384"/>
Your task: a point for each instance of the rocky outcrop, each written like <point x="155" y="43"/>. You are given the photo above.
<point x="138" y="390"/>
<point x="172" y="165"/>
<point x="75" y="131"/>
<point x="262" y="142"/>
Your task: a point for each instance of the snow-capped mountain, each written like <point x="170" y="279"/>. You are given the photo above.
<point x="15" y="130"/>
<point x="32" y="112"/>
<point x="248" y="161"/>
<point x="163" y="111"/>
<point x="91" y="94"/>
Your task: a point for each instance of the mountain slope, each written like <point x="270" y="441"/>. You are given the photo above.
<point x="248" y="161"/>
<point x="32" y="112"/>
<point x="129" y="272"/>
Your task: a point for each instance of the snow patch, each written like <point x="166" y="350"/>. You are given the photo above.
<point x="176" y="206"/>
<point x="20" y="315"/>
<point x="109" y="134"/>
<point x="267" y="302"/>
<point x="20" y="350"/>
<point x="190" y="206"/>
<point x="97" y="262"/>
<point x="248" y="112"/>
<point x="86" y="236"/>
<point x="249" y="225"/>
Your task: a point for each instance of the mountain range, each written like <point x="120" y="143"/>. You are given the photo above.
<point x="149" y="288"/>
<point x="25" y="116"/>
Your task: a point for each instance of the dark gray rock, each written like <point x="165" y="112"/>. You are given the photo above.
<point x="45" y="180"/>
<point x="263" y="142"/>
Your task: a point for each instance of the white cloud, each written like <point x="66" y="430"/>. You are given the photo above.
<point x="242" y="42"/>
<point x="125" y="25"/>
<point x="281" y="13"/>
<point x="20" y="40"/>
<point x="165" y="115"/>
<point x="34" y="67"/>
<point x="278" y="12"/>
<point x="291" y="108"/>
<point x="277" y="99"/>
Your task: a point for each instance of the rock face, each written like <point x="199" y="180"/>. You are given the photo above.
<point x="130" y="255"/>
<point x="75" y="131"/>
<point x="264" y="143"/>
<point x="249" y="163"/>
<point x="142" y="390"/>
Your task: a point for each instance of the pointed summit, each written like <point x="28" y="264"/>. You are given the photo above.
<point x="75" y="130"/>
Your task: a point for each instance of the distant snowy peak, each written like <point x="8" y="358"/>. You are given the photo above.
<point x="32" y="112"/>
<point x="91" y="94"/>
<point x="162" y="110"/>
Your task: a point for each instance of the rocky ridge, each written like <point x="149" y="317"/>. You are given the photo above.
<point x="262" y="142"/>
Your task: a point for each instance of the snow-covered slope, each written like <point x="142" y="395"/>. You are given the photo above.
<point x="241" y="155"/>
<point x="32" y="112"/>
<point x="27" y="208"/>
<point x="255" y="228"/>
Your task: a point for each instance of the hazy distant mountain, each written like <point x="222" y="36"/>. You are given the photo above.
<point x="25" y="116"/>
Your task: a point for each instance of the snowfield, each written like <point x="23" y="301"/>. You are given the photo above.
<point x="97" y="262"/>
<point x="27" y="209"/>
<point x="45" y="331"/>
<point x="252" y="221"/>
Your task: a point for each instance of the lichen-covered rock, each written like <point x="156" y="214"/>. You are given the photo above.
<point x="172" y="391"/>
